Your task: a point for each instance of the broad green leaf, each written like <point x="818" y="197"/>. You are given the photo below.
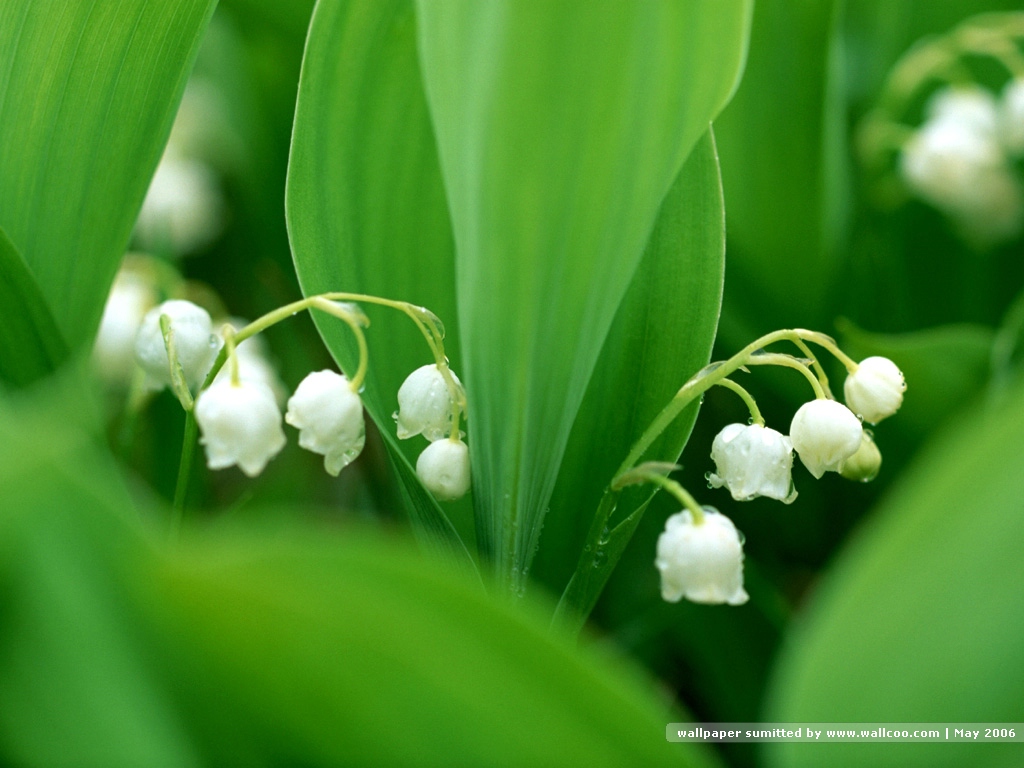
<point x="560" y="130"/>
<point x="662" y="334"/>
<point x="87" y="93"/>
<point x="30" y="344"/>
<point x="366" y="209"/>
<point x="783" y="152"/>
<point x="271" y="647"/>
<point x="920" y="619"/>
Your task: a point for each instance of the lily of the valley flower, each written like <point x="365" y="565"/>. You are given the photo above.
<point x="443" y="467"/>
<point x="824" y="434"/>
<point x="875" y="389"/>
<point x="864" y="465"/>
<point x="425" y="404"/>
<point x="240" y="424"/>
<point x="702" y="562"/>
<point x="329" y="416"/>
<point x="131" y="297"/>
<point x="753" y="460"/>
<point x="957" y="163"/>
<point x="194" y="341"/>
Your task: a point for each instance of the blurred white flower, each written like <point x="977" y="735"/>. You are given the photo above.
<point x="240" y="424"/>
<point x="194" y="341"/>
<point x="956" y="163"/>
<point x="753" y="460"/>
<point x="425" y="404"/>
<point x="131" y="297"/>
<point x="824" y="434"/>
<point x="1011" y="117"/>
<point x="703" y="563"/>
<point x="875" y="390"/>
<point x="329" y="416"/>
<point x="443" y="467"/>
<point x="183" y="209"/>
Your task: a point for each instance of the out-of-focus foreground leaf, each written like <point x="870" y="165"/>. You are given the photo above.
<point x="30" y="344"/>
<point x="920" y="619"/>
<point x="560" y="131"/>
<point x="367" y="213"/>
<point x="300" y="647"/>
<point x="88" y="91"/>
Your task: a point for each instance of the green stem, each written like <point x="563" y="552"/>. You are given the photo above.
<point x="755" y="412"/>
<point x="188" y="447"/>
<point x="787" y="361"/>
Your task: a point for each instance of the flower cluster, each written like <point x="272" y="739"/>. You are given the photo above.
<point x="427" y="406"/>
<point x="959" y="159"/>
<point x="239" y="411"/>
<point x="700" y="555"/>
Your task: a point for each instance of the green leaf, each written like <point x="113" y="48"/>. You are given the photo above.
<point x="783" y="153"/>
<point x="646" y="359"/>
<point x="87" y="92"/>
<point x="30" y="344"/>
<point x="560" y="131"/>
<point x="367" y="213"/>
<point x="920" y="620"/>
<point x="271" y="647"/>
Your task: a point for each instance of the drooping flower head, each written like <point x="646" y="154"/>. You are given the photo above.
<point x="329" y="416"/>
<point x="131" y="296"/>
<point x="240" y="424"/>
<point x="875" y="390"/>
<point x="194" y="341"/>
<point x="824" y="434"/>
<point x="701" y="562"/>
<point x="425" y="404"/>
<point x="443" y="468"/>
<point x="753" y="460"/>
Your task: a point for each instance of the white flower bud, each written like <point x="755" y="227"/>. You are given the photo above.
<point x="443" y="468"/>
<point x="875" y="390"/>
<point x="753" y="460"/>
<point x="131" y="297"/>
<point x="425" y="404"/>
<point x="703" y="563"/>
<point x="194" y="341"/>
<point x="329" y="416"/>
<point x="183" y="209"/>
<point x="240" y="424"/>
<point x="1011" y="117"/>
<point x="824" y="433"/>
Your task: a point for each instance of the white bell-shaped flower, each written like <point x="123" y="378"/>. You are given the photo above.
<point x="701" y="562"/>
<point x="183" y="210"/>
<point x="240" y="424"/>
<point x="443" y="468"/>
<point x="329" y="416"/>
<point x="1011" y="117"/>
<point x="824" y="434"/>
<point x="194" y="341"/>
<point x="254" y="362"/>
<point x="425" y="404"/>
<point x="875" y="390"/>
<point x="753" y="460"/>
<point x="956" y="163"/>
<point x="131" y="297"/>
